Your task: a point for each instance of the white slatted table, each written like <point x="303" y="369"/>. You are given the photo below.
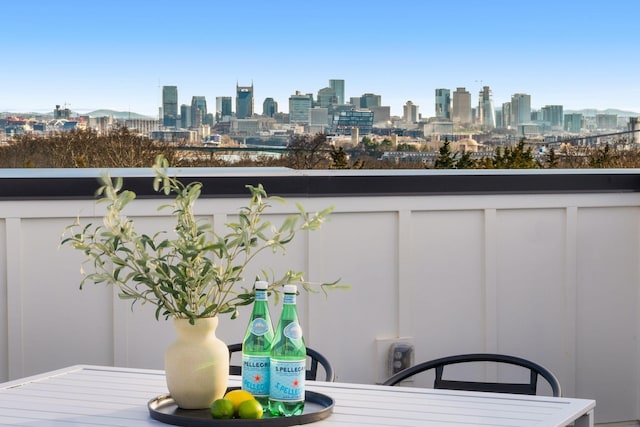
<point x="104" y="396"/>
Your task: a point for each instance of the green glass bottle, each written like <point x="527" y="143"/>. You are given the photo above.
<point x="288" y="361"/>
<point x="256" y="348"/>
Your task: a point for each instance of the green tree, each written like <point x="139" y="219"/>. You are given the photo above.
<point x="370" y="146"/>
<point x="386" y="145"/>
<point x="465" y="161"/>
<point x="445" y="159"/>
<point x="517" y="157"/>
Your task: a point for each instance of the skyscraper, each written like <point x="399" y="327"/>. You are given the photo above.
<point x="223" y="107"/>
<point x="410" y="112"/>
<point x="244" y="101"/>
<point x="269" y="107"/>
<point x="198" y="111"/>
<point x="370" y="100"/>
<point x="443" y="103"/>
<point x="553" y="114"/>
<point x="506" y="115"/>
<point x="461" y="106"/>
<point x="486" y="112"/>
<point x="326" y="97"/>
<point x="520" y="109"/>
<point x="299" y="106"/>
<point x="573" y="122"/>
<point x="338" y="88"/>
<point x="169" y="105"/>
<point x="185" y="116"/>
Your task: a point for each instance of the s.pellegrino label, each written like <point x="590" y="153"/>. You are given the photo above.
<point x="288" y="361"/>
<point x="255" y="374"/>
<point x="256" y="348"/>
<point x="287" y="380"/>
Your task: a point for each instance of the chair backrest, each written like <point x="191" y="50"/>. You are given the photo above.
<point x="311" y="373"/>
<point x="497" y="387"/>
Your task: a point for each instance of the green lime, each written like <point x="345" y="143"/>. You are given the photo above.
<point x="237" y="396"/>
<point x="250" y="409"/>
<point x="222" y="409"/>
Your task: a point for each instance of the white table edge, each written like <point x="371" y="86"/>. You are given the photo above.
<point x="587" y="419"/>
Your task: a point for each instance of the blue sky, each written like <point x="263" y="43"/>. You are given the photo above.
<point x="117" y="54"/>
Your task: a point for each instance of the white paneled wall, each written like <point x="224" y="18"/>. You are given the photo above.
<point x="553" y="278"/>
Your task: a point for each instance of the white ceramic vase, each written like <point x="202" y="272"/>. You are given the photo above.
<point x="197" y="364"/>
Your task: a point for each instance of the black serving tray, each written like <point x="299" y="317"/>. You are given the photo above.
<point x="317" y="406"/>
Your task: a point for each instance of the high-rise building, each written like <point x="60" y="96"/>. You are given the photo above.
<point x="499" y="123"/>
<point x="573" y="122"/>
<point x="59" y="113"/>
<point x="269" y="107"/>
<point x="223" y="107"/>
<point x="185" y="116"/>
<point x="370" y="100"/>
<point x="354" y="120"/>
<point x="198" y="111"/>
<point x="553" y="115"/>
<point x="520" y="109"/>
<point x="443" y="103"/>
<point x="410" y="112"/>
<point x="319" y="116"/>
<point x="606" y="121"/>
<point x="506" y="115"/>
<point x="244" y="102"/>
<point x="338" y="88"/>
<point x="381" y="115"/>
<point x="461" y="106"/>
<point x="299" y="106"/>
<point x="327" y="97"/>
<point x="169" y="106"/>
<point x="486" y="112"/>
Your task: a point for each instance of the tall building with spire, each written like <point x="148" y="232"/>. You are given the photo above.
<point x="244" y="101"/>
<point x="443" y="103"/>
<point x="486" y="111"/>
<point x="169" y="106"/>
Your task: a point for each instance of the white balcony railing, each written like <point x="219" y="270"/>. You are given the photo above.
<point x="541" y="264"/>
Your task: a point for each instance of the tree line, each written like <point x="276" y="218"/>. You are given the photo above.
<point x="125" y="149"/>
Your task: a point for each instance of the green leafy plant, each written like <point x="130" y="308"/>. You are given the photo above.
<point x="195" y="273"/>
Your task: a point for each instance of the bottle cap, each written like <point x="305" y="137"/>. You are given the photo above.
<point x="290" y="289"/>
<point x="261" y="285"/>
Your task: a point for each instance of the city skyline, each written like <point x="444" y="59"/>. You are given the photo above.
<point x="91" y="57"/>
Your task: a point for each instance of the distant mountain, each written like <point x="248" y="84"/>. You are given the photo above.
<point x="97" y="113"/>
<point x="591" y="112"/>
<point x="117" y="114"/>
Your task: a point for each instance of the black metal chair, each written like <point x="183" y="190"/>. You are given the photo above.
<point x="497" y="387"/>
<point x="311" y="374"/>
